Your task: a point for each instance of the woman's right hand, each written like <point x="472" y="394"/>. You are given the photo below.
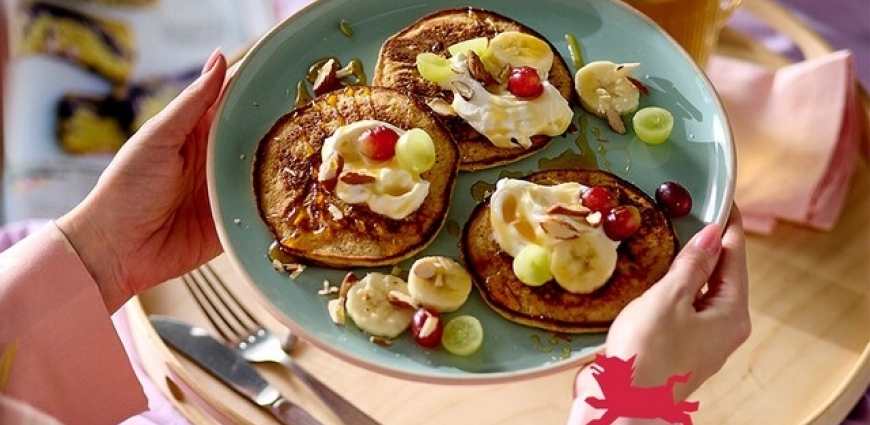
<point x="677" y="327"/>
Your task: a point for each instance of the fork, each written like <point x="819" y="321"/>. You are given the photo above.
<point x="240" y="330"/>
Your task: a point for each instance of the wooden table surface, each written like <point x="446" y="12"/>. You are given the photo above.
<point x="806" y="362"/>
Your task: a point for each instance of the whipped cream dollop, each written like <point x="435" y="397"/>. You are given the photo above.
<point x="552" y="216"/>
<point x="389" y="189"/>
<point x="505" y="119"/>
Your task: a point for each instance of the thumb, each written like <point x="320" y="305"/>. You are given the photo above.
<point x="184" y="113"/>
<point x="694" y="265"/>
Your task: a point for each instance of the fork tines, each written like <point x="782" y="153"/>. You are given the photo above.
<point x="226" y="314"/>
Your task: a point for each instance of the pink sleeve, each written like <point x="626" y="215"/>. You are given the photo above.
<point x="66" y="358"/>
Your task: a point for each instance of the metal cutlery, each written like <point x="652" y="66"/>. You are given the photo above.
<point x="244" y="333"/>
<point x="228" y="366"/>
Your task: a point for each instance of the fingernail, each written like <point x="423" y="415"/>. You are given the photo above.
<point x="212" y="60"/>
<point x="709" y="238"/>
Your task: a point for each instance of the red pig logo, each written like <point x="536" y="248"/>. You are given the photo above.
<point x="623" y="400"/>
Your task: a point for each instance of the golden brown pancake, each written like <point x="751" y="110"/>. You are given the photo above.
<point x="305" y="216"/>
<point x="396" y="67"/>
<point x="642" y="260"/>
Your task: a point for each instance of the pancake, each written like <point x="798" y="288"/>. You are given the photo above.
<point x="311" y="223"/>
<point x="642" y="260"/>
<point x="396" y="67"/>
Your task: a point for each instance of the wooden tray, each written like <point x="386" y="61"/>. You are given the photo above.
<point x="807" y="361"/>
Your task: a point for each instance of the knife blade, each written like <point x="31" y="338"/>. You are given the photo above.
<point x="198" y="345"/>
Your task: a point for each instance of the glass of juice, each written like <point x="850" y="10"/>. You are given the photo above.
<point x="694" y="24"/>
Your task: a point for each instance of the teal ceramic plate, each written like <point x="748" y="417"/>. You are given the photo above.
<point x="699" y="155"/>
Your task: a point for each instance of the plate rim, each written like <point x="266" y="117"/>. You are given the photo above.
<point x="466" y="377"/>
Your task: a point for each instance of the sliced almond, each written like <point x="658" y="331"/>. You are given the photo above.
<point x="379" y="340"/>
<point x="402" y="300"/>
<point x="594" y="219"/>
<point x="559" y="228"/>
<point x="347" y="71"/>
<point x="463" y="89"/>
<point x="349" y="280"/>
<point x="570" y="210"/>
<point x="329" y="171"/>
<point x="294" y="269"/>
<point x="335" y="212"/>
<point x="425" y="270"/>
<point x="614" y="120"/>
<point x="353" y="177"/>
<point x="277" y="265"/>
<point x="439" y="280"/>
<point x="429" y="326"/>
<point x="327" y="289"/>
<point x="478" y="71"/>
<point x="327" y="78"/>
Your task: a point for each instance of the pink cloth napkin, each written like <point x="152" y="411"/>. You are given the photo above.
<point x="797" y="131"/>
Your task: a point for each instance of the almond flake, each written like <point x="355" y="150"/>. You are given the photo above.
<point x="294" y="269"/>
<point x="327" y="288"/>
<point x="349" y="280"/>
<point x="402" y="300"/>
<point x="335" y="212"/>
<point x="352" y="177"/>
<point x="594" y="219"/>
<point x="478" y="71"/>
<point x="330" y="170"/>
<point x="425" y="270"/>
<point x="570" y="210"/>
<point x="326" y="79"/>
<point x="614" y="120"/>
<point x="379" y="340"/>
<point x="559" y="228"/>
<point x="429" y="326"/>
<point x="463" y="89"/>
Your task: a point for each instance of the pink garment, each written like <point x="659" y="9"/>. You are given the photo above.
<point x="67" y="359"/>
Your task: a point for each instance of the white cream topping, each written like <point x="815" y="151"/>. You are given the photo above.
<point x="504" y="118"/>
<point x="395" y="192"/>
<point x="517" y="209"/>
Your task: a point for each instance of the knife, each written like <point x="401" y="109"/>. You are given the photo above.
<point x="225" y="364"/>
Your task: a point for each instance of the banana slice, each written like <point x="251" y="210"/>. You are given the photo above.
<point x="369" y="307"/>
<point x="518" y="49"/>
<point x="584" y="264"/>
<point x="605" y="90"/>
<point x="439" y="283"/>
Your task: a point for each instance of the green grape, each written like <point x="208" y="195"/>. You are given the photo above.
<point x="434" y="68"/>
<point x="463" y="335"/>
<point x="477" y="45"/>
<point x="653" y="125"/>
<point x="532" y="265"/>
<point x="415" y="151"/>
